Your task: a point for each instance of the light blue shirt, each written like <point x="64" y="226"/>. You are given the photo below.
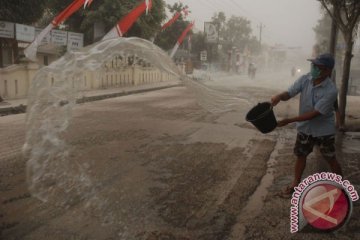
<point x="321" y="98"/>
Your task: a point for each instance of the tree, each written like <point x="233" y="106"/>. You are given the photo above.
<point x="219" y="19"/>
<point x="21" y="11"/>
<point x="167" y="38"/>
<point x="233" y="32"/>
<point x="322" y="32"/>
<point x="198" y="43"/>
<point x="237" y="33"/>
<point x="346" y="14"/>
<point x="147" y="25"/>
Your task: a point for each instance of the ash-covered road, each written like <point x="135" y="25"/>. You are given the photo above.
<point x="165" y="168"/>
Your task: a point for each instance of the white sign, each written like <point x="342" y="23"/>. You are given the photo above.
<point x="7" y="30"/>
<point x="75" y="41"/>
<point x="24" y="33"/>
<point x="59" y="37"/>
<point x="23" y="45"/>
<point x="203" y="55"/>
<point x="46" y="39"/>
<point x="211" y="32"/>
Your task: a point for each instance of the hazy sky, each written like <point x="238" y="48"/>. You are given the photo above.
<point x="288" y="22"/>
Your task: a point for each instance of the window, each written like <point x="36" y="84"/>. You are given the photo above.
<point x="6" y="88"/>
<point x="46" y="60"/>
<point x="7" y="56"/>
<point x="16" y="87"/>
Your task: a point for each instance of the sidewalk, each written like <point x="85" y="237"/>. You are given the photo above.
<point x="16" y="106"/>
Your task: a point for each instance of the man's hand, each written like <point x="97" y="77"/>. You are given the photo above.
<point x="284" y="96"/>
<point x="275" y="100"/>
<point x="283" y="122"/>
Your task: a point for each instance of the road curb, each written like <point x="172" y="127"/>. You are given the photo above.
<point x="22" y="108"/>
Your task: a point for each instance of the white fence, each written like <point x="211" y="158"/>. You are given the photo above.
<point x="16" y="79"/>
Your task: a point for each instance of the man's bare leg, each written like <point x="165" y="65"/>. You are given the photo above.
<point x="299" y="169"/>
<point x="335" y="166"/>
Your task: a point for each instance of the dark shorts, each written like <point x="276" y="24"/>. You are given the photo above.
<point x="305" y="143"/>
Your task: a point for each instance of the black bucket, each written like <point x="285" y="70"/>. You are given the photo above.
<point x="262" y="117"/>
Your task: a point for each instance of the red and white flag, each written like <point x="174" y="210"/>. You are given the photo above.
<point x="181" y="38"/>
<point x="30" y="51"/>
<point x="126" y="22"/>
<point x="174" y="18"/>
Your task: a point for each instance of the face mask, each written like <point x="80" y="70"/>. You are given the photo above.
<point x="315" y="71"/>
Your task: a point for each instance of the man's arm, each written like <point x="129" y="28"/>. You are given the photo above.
<point x="301" y="118"/>
<point x="284" y="96"/>
<point x="291" y="92"/>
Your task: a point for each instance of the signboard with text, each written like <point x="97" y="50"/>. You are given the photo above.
<point x="203" y="55"/>
<point x="25" y="33"/>
<point x="75" y="41"/>
<point x="59" y="37"/>
<point x="46" y="39"/>
<point x="211" y="32"/>
<point x="7" y="30"/>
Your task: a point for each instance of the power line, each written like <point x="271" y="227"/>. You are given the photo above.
<point x="244" y="10"/>
<point x="209" y="5"/>
<point x="261" y="28"/>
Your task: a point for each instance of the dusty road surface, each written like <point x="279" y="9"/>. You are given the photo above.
<point x="165" y="168"/>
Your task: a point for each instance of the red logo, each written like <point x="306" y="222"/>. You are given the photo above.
<point x="326" y="207"/>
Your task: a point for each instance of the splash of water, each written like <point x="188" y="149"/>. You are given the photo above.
<point x="52" y="175"/>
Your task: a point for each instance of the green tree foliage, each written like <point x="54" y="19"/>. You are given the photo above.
<point x="198" y="43"/>
<point x="149" y="24"/>
<point x="233" y="32"/>
<point x="254" y="45"/>
<point x="21" y="11"/>
<point x="167" y="38"/>
<point x="237" y="32"/>
<point x="322" y="32"/>
<point x="219" y="19"/>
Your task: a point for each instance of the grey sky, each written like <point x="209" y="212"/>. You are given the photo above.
<point x="288" y="22"/>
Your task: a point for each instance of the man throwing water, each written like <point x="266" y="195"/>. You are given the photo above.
<point x="315" y="123"/>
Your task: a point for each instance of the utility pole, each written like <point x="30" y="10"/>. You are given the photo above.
<point x="260" y="29"/>
<point x="332" y="50"/>
<point x="333" y="36"/>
